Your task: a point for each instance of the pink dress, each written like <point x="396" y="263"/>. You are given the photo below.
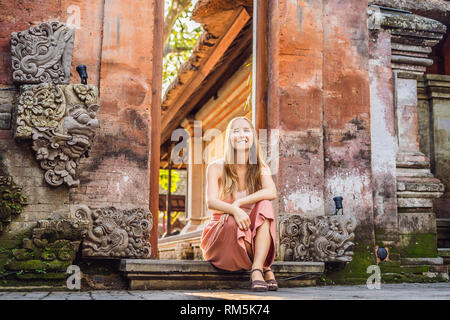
<point x="222" y="242"/>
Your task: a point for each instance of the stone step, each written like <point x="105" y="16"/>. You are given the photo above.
<point x="443" y="222"/>
<point x="444" y="252"/>
<point x="443" y="232"/>
<point x="146" y="274"/>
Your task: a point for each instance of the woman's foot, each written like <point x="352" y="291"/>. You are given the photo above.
<point x="257" y="281"/>
<point x="269" y="277"/>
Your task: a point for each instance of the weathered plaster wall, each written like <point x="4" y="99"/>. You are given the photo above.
<point x="295" y="103"/>
<point x="347" y="122"/>
<point x="383" y="137"/>
<point x="117" y="171"/>
<point x="319" y="100"/>
<point x="434" y="120"/>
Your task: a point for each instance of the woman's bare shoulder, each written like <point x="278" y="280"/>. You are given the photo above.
<point x="265" y="170"/>
<point x="215" y="166"/>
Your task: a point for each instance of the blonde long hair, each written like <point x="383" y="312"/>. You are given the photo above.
<point x="253" y="174"/>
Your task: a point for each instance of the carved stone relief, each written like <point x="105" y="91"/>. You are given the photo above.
<point x="116" y="233"/>
<point x="60" y="118"/>
<point x="42" y="105"/>
<point x="316" y="238"/>
<point x="42" y="54"/>
<point x="50" y="250"/>
<point x="61" y="121"/>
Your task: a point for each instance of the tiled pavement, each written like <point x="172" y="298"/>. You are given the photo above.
<point x="432" y="291"/>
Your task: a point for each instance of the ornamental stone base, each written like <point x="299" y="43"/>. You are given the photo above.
<point x="316" y="238"/>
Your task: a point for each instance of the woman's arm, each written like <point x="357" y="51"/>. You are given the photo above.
<point x="214" y="203"/>
<point x="212" y="191"/>
<point x="267" y="192"/>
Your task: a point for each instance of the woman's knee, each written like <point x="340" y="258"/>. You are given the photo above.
<point x="230" y="223"/>
<point x="264" y="203"/>
<point x="266" y="206"/>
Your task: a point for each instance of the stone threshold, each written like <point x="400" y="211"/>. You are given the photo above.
<point x="180" y="237"/>
<point x="146" y="274"/>
<point x="444" y="252"/>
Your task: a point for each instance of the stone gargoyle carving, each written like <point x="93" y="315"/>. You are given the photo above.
<point x="42" y="53"/>
<point x="316" y="238"/>
<point x="116" y="233"/>
<point x="61" y="120"/>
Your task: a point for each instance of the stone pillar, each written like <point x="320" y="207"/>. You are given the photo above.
<point x="196" y="180"/>
<point x="383" y="139"/>
<point x="438" y="92"/>
<point x="346" y="124"/>
<point x="423" y="117"/>
<point x="412" y="38"/>
<point x="319" y="101"/>
<point x="295" y="105"/>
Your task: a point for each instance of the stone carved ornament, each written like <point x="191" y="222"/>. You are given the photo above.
<point x="317" y="238"/>
<point x="52" y="247"/>
<point x="61" y="121"/>
<point x="60" y="118"/>
<point x="42" y="105"/>
<point x="12" y="201"/>
<point x="42" y="53"/>
<point x="116" y="233"/>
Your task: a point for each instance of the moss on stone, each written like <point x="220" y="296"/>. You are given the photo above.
<point x="404" y="269"/>
<point x="409" y="278"/>
<point x="12" y="200"/>
<point x="37" y="265"/>
<point x="46" y="276"/>
<point x="22" y="254"/>
<point x="418" y="245"/>
<point x="354" y="272"/>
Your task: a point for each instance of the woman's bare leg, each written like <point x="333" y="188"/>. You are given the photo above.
<point x="269" y="275"/>
<point x="262" y="246"/>
<point x="248" y="246"/>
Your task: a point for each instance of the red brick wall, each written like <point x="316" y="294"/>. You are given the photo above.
<point x="118" y="170"/>
<point x="114" y="39"/>
<point x="295" y="103"/>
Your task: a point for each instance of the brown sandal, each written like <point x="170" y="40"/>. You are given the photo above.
<point x="272" y="283"/>
<point x="258" y="285"/>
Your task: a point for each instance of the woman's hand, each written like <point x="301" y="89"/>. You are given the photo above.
<point x="241" y="217"/>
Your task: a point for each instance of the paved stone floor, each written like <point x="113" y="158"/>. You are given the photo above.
<point x="433" y="291"/>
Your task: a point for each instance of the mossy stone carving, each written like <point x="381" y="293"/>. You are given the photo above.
<point x="51" y="249"/>
<point x="12" y="201"/>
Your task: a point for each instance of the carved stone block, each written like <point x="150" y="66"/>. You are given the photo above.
<point x="42" y="106"/>
<point x="61" y="121"/>
<point x="51" y="249"/>
<point x="116" y="233"/>
<point x="42" y="54"/>
<point x="316" y="238"/>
